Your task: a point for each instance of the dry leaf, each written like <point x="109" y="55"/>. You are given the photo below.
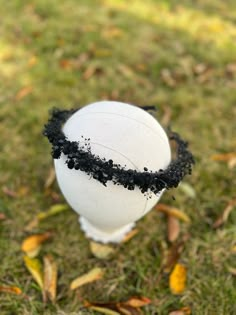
<point x="53" y="210"/>
<point x="225" y="157"/>
<point x="225" y="214"/>
<point x="173" y="212"/>
<point x="65" y="64"/>
<point x="2" y="216"/>
<point x="183" y="311"/>
<point x="126" y="71"/>
<point x="50" y="179"/>
<point x="138" y="301"/>
<point x="167" y="78"/>
<point x="112" y="32"/>
<point x="13" y="290"/>
<point x="91" y="71"/>
<point x="32" y="61"/>
<point x="103" y="310"/>
<point x="232" y="270"/>
<point x="50" y="279"/>
<point x="128" y="310"/>
<point x="23" y="92"/>
<point x="31" y="225"/>
<point x="101" y="251"/>
<point x="9" y="192"/>
<point x="92" y="275"/>
<point x="173" y="228"/>
<point x="130" y="235"/>
<point x="33" y="242"/>
<point x="35" y="268"/>
<point x="188" y="190"/>
<point x="232" y="163"/>
<point x="172" y="256"/>
<point x="177" y="279"/>
<point x="233" y="249"/>
<point x="167" y="116"/>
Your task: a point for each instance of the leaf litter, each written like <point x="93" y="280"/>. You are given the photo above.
<point x="91" y="276"/>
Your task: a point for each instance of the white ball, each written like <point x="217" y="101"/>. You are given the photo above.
<point x="130" y="137"/>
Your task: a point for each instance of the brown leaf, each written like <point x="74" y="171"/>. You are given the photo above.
<point x="171" y="211"/>
<point x="128" y="310"/>
<point x="167" y="116"/>
<point x="183" y="311"/>
<point x="92" y="275"/>
<point x="103" y="310"/>
<point x="101" y="251"/>
<point x="167" y="78"/>
<point x="91" y="71"/>
<point x="177" y="279"/>
<point x="173" y="255"/>
<point x="13" y="290"/>
<point x="50" y="279"/>
<point x="137" y="301"/>
<point x="35" y="268"/>
<point x="23" y="92"/>
<point x="9" y="192"/>
<point x="126" y="70"/>
<point x="225" y="214"/>
<point x="2" y="216"/>
<point x="33" y="242"/>
<point x="50" y="178"/>
<point x="233" y="249"/>
<point x="173" y="228"/>
<point x="130" y="235"/>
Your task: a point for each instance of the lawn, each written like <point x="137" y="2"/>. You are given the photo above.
<point x="177" y="55"/>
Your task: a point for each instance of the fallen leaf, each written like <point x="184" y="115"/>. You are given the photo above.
<point x="2" y="216"/>
<point x="50" y="279"/>
<point x="33" y="242"/>
<point x="65" y="64"/>
<point x="50" y="178"/>
<point x="13" y="290"/>
<point x="130" y="235"/>
<point x="23" y="92"/>
<point x="126" y="71"/>
<point x="112" y="32"/>
<point x="225" y="214"/>
<point x="167" y="78"/>
<point x="232" y="270"/>
<point x="101" y="251"/>
<point x="188" y="190"/>
<point x="91" y="71"/>
<point x="182" y="311"/>
<point x="225" y="157"/>
<point x="232" y="163"/>
<point x="167" y="115"/>
<point x="92" y="275"/>
<point x="172" y="256"/>
<point x="35" y="268"/>
<point x="138" y="301"/>
<point x="32" y="61"/>
<point x="233" y="249"/>
<point x="173" y="228"/>
<point x="53" y="210"/>
<point x="31" y="225"/>
<point x="128" y="310"/>
<point x="9" y="192"/>
<point x="177" y="279"/>
<point x="173" y="212"/>
<point x="103" y="310"/>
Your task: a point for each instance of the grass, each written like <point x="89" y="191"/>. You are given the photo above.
<point x="70" y="53"/>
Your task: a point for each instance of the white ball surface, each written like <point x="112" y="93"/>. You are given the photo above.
<point x="129" y="136"/>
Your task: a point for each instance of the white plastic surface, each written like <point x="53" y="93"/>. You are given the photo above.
<point x="129" y="136"/>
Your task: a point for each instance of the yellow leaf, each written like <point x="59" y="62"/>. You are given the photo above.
<point x="173" y="212"/>
<point x="50" y="279"/>
<point x="233" y="249"/>
<point x="101" y="251"/>
<point x="13" y="290"/>
<point x="224" y="156"/>
<point x="177" y="279"/>
<point x="35" y="268"/>
<point x="130" y="235"/>
<point x="55" y="209"/>
<point x="32" y="242"/>
<point x="103" y="310"/>
<point x="32" y="61"/>
<point x="92" y="275"/>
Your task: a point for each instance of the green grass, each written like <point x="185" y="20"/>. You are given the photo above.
<point x="51" y="48"/>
